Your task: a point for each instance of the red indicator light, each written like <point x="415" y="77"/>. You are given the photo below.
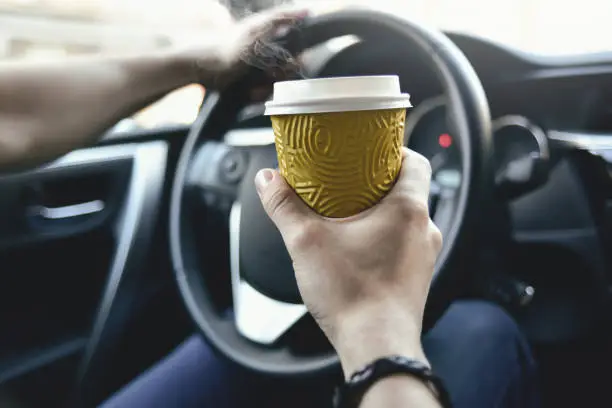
<point x="445" y="140"/>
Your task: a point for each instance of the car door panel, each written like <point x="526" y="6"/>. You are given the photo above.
<point x="73" y="235"/>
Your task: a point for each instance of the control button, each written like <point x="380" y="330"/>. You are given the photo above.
<point x="232" y="166"/>
<point x="525" y="294"/>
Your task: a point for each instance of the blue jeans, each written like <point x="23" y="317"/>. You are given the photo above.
<point x="476" y="348"/>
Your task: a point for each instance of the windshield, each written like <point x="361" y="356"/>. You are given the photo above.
<point x="56" y="29"/>
<point x="547" y="27"/>
<point x="550" y="27"/>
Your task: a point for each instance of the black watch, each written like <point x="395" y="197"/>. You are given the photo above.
<point x="350" y="394"/>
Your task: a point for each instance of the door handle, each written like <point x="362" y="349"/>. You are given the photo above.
<point x="66" y="212"/>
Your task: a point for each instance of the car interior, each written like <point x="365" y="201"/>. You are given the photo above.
<point x="115" y="253"/>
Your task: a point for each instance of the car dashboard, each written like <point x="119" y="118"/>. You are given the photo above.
<point x="89" y="289"/>
<point x="556" y="109"/>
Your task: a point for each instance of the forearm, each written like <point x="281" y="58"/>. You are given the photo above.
<point x="47" y="109"/>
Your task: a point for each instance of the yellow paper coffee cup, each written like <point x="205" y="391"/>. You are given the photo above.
<point x="339" y="140"/>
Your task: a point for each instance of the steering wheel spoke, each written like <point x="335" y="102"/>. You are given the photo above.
<point x="444" y="210"/>
<point x="258" y="317"/>
<point x="434" y="196"/>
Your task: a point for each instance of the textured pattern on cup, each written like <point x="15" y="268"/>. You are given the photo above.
<point x="340" y="163"/>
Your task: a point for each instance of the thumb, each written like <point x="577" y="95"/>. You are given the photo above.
<point x="281" y="203"/>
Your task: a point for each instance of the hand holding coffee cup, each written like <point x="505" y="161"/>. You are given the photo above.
<point x="339" y="140"/>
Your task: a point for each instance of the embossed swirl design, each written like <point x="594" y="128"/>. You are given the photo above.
<point x="340" y="163"/>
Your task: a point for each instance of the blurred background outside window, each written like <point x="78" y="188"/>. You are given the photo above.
<point x="56" y="29"/>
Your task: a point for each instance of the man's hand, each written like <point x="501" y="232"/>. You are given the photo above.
<point x="228" y="51"/>
<point x="365" y="278"/>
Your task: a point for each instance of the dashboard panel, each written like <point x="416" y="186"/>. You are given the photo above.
<point x="543" y="110"/>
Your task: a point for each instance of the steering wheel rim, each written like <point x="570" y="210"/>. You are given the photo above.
<point x="470" y="119"/>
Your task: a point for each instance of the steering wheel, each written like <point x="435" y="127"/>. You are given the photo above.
<point x="266" y="300"/>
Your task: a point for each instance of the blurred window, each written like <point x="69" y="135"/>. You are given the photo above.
<point x="55" y="29"/>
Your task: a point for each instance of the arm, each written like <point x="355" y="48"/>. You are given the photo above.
<point x="365" y="278"/>
<point x="49" y="109"/>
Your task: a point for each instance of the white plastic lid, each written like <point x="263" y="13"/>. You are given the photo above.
<point x="337" y="95"/>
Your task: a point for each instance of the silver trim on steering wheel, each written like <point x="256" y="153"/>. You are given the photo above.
<point x="257" y="317"/>
<point x="415" y="115"/>
<point x="250" y="137"/>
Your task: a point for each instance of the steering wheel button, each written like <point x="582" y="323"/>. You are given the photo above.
<point x="232" y="166"/>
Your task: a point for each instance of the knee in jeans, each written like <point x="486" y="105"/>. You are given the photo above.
<point x="489" y="328"/>
<point x="487" y="322"/>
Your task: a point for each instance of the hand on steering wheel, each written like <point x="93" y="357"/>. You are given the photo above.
<point x="240" y="44"/>
<point x="365" y="278"/>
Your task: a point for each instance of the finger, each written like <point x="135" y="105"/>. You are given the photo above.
<point x="256" y="47"/>
<point x="268" y="56"/>
<point x="415" y="174"/>
<point x="282" y="205"/>
<point x="414" y="179"/>
<point x="405" y="152"/>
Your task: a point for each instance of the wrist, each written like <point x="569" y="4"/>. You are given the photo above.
<point x="186" y="65"/>
<point x="204" y="65"/>
<point x="368" y="335"/>
<point x="355" y="358"/>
